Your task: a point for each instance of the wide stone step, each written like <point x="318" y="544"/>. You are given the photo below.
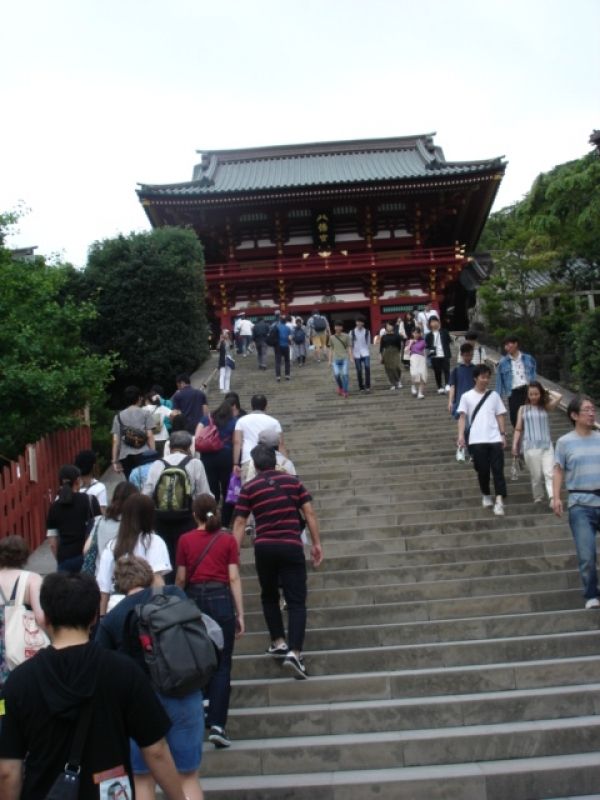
<point x="426" y="656"/>
<point x="374" y="635"/>
<point x="389" y="749"/>
<point x="432" y="590"/>
<point x="398" y="556"/>
<point x="517" y="779"/>
<point x="398" y="574"/>
<point x="389" y="526"/>
<point x="381" y="613"/>
<point x="483" y="708"/>
<point x="417" y="683"/>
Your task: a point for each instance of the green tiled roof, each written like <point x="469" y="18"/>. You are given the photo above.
<point x="291" y="166"/>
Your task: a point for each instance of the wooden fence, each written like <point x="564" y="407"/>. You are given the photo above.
<point x="28" y="486"/>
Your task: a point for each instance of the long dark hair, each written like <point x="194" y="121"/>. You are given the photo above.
<point x="137" y="518"/>
<point x="222" y="414"/>
<point x="544" y="396"/>
<point x="67" y="476"/>
<point x="122" y="491"/>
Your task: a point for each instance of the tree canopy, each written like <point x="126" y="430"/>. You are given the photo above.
<point x="48" y="374"/>
<point x="148" y="290"/>
<point x="545" y="248"/>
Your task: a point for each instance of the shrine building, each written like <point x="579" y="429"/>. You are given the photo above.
<point x="376" y="226"/>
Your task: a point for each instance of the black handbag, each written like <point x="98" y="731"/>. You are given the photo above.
<point x="66" y="786"/>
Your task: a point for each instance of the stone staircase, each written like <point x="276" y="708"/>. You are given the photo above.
<point x="448" y="651"/>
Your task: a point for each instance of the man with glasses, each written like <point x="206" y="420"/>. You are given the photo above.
<point x="577" y="458"/>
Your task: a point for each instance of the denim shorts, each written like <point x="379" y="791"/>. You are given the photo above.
<point x="184" y="737"/>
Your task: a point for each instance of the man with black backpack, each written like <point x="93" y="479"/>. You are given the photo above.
<point x="173" y="482"/>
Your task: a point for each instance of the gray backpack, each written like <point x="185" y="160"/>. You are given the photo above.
<point x="179" y="654"/>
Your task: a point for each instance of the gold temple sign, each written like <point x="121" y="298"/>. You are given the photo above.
<point x="323" y="233"/>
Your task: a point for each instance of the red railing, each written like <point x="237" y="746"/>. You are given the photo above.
<point x="28" y="486"/>
<point x="334" y="265"/>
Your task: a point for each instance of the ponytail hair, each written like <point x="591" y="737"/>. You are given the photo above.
<point x="67" y="476"/>
<point x="206" y="511"/>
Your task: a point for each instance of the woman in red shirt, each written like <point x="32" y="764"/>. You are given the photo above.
<point x="208" y="569"/>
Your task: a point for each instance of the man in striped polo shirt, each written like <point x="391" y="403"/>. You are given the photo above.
<point x="276" y="500"/>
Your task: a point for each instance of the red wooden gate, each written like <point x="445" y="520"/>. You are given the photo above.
<point x="28" y="486"/>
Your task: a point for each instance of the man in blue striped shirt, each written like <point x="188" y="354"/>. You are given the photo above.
<point x="577" y="459"/>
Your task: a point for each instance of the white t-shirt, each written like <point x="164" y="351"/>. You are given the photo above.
<point x="251" y="426"/>
<point x="98" y="490"/>
<point x="423" y="319"/>
<point x="246" y="327"/>
<point x="155" y="553"/>
<point x="485" y="429"/>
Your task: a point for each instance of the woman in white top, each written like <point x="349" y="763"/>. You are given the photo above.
<point x="135" y="537"/>
<point x="533" y="430"/>
<point x="107" y="527"/>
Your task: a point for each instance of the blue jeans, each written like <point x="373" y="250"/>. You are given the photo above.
<point x="585" y="523"/>
<point x="72" y="564"/>
<point x="340" y="373"/>
<point x="218" y="604"/>
<point x="184" y="737"/>
<point x="359" y="363"/>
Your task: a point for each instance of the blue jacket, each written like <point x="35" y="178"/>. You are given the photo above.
<point x="504" y="374"/>
<point x="284" y="335"/>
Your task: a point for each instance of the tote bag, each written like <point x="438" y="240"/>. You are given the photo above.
<point x="23" y="637"/>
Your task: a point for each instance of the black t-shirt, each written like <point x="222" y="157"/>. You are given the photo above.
<point x="71" y="523"/>
<point x="43" y="697"/>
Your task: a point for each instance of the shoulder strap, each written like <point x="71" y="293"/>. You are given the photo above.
<point x="19" y="589"/>
<point x="478" y="406"/>
<point x="202" y="555"/>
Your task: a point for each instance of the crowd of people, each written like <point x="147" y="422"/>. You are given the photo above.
<point x="170" y="529"/>
<point x="197" y="487"/>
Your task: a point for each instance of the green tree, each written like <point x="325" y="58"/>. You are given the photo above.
<point x="48" y="375"/>
<point x="586" y="354"/>
<point x="148" y="289"/>
<point x="544" y="248"/>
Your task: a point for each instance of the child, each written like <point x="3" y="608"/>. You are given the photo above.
<point x="418" y="365"/>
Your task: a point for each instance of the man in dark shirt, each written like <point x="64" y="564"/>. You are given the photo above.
<point x="276" y="499"/>
<point x="190" y="402"/>
<point x="45" y="696"/>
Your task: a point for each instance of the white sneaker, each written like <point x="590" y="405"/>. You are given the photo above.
<point x="440" y="391"/>
<point x="392" y="388"/>
<point x="593" y="603"/>
<point x="399" y="385"/>
<point x="499" y="508"/>
<point x="447" y="389"/>
<point x="420" y="396"/>
<point x="413" y="390"/>
<point x="486" y="501"/>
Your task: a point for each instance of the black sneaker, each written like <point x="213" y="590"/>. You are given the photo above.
<point x="279" y="651"/>
<point x="296" y="664"/>
<point x="218" y="737"/>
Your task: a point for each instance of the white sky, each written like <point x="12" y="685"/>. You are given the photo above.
<point x="98" y="96"/>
